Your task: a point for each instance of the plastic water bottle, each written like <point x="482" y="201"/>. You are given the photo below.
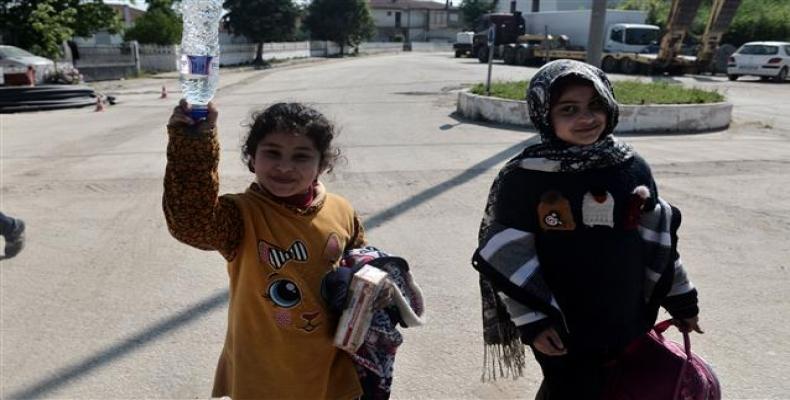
<point x="199" y="63"/>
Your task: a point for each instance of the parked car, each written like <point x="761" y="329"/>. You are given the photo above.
<point x="14" y="60"/>
<point x="763" y="59"/>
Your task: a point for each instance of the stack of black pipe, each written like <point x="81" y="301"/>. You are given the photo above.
<point x="44" y="97"/>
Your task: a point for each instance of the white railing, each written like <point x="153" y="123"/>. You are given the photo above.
<point x="155" y="58"/>
<point x="431" y="47"/>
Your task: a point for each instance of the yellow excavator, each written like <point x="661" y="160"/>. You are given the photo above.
<point x="721" y="16"/>
<point x="681" y="16"/>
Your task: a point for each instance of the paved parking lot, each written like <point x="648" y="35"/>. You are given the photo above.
<point x="103" y="303"/>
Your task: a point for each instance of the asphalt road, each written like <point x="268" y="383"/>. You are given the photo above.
<point x="103" y="303"/>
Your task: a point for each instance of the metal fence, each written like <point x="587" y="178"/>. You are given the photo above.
<point x="130" y="59"/>
<point x="107" y="62"/>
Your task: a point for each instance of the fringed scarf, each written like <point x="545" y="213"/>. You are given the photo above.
<point x="504" y="353"/>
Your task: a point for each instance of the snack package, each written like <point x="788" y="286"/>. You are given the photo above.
<point x="355" y="320"/>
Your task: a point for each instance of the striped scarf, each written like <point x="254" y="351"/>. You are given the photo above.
<point x="514" y="292"/>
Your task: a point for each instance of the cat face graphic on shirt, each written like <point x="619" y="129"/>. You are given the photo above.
<point x="294" y="307"/>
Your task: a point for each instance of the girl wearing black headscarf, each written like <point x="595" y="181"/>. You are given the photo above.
<point x="576" y="250"/>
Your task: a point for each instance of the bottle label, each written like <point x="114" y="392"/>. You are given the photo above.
<point x="197" y="66"/>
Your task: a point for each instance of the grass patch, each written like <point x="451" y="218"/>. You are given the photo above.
<point x="626" y="92"/>
<point x="632" y="92"/>
<point x="506" y="90"/>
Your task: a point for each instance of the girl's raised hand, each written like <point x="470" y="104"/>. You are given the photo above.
<point x="180" y="117"/>
<point x="549" y="343"/>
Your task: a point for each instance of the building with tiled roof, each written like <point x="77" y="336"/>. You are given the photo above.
<point x="415" y="20"/>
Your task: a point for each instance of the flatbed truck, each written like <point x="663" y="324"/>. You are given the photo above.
<point x="629" y="47"/>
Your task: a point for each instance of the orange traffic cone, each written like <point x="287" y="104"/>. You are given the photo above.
<point x="164" y="93"/>
<point x="99" y="104"/>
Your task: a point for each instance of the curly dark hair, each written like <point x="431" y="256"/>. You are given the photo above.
<point x="294" y="118"/>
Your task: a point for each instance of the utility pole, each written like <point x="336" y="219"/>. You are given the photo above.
<point x="491" y="40"/>
<point x="595" y="41"/>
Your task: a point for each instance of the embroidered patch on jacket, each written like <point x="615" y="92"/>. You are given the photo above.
<point x="554" y="212"/>
<point x="635" y="206"/>
<point x="598" y="208"/>
<point x="277" y="257"/>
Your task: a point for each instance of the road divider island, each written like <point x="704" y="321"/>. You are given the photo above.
<point x="655" y="107"/>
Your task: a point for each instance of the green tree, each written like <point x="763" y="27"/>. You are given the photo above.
<point x="159" y="25"/>
<point x="657" y="10"/>
<point x="81" y="17"/>
<point x="262" y="21"/>
<point x="345" y="22"/>
<point x="760" y="20"/>
<point x="95" y="16"/>
<point x="754" y="20"/>
<point x="471" y="10"/>
<point x="52" y="28"/>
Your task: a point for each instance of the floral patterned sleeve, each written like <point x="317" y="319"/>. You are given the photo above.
<point x="195" y="214"/>
<point x="358" y="239"/>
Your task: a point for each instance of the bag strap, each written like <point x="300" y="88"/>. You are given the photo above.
<point x="660" y="328"/>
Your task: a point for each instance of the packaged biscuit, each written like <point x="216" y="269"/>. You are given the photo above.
<point x="355" y="320"/>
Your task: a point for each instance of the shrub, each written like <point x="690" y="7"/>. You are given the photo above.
<point x="626" y="92"/>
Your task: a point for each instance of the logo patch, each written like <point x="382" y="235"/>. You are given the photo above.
<point x="277" y="257"/>
<point x="554" y="212"/>
<point x="598" y="209"/>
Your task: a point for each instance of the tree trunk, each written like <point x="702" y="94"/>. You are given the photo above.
<point x="342" y="50"/>
<point x="259" y="62"/>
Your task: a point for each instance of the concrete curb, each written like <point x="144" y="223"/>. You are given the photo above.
<point x="664" y="118"/>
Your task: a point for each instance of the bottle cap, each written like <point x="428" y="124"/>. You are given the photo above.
<point x="198" y="112"/>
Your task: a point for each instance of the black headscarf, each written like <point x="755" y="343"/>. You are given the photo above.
<point x="563" y="156"/>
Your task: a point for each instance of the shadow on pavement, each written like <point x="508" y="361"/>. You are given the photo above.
<point x="70" y="373"/>
<point x="472" y="172"/>
<point x="461" y="120"/>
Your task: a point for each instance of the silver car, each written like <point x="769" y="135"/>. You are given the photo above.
<point x="763" y="59"/>
<point x="15" y="60"/>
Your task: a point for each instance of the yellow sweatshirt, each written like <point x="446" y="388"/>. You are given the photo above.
<point x="279" y="339"/>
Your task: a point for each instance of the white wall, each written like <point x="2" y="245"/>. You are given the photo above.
<point x="412" y="18"/>
<point x="382" y="20"/>
<point x="417" y="24"/>
<point x="235" y="54"/>
<point x="431" y="47"/>
<point x="164" y="58"/>
<point x="157" y="58"/>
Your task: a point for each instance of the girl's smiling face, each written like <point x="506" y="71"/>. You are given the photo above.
<point x="579" y="115"/>
<point x="286" y="164"/>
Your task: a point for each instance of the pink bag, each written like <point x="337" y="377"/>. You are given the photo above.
<point x="655" y="368"/>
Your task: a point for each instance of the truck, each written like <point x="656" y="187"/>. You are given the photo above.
<point x="630" y="45"/>
<point x="508" y="28"/>
<point x="463" y="44"/>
